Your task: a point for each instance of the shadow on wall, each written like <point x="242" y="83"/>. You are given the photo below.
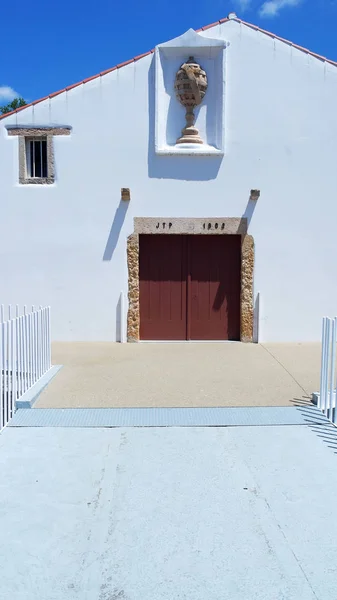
<point x="185" y="168"/>
<point x="115" y="230"/>
<point x="249" y="211"/>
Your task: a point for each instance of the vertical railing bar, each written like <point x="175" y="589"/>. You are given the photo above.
<point x="46" y="337"/>
<point x="37" y="375"/>
<point x="9" y="368"/>
<point x="25" y="352"/>
<point x="18" y="362"/>
<point x="18" y="358"/>
<point x="30" y="353"/>
<point x="49" y="337"/>
<point x="332" y="367"/>
<point x="34" y="347"/>
<point x="321" y="385"/>
<point x="37" y="345"/>
<point x="44" y="341"/>
<point x="21" y="356"/>
<point x="327" y="406"/>
<point x="31" y="323"/>
<point x="39" y="349"/>
<point x="326" y="366"/>
<point x="40" y="343"/>
<point x="38" y="314"/>
<point x="49" y="309"/>
<point x="31" y="319"/>
<point x="2" y="372"/>
<point x="5" y="365"/>
<point x="14" y="367"/>
<point x="28" y="342"/>
<point x="334" y="410"/>
<point x="324" y="357"/>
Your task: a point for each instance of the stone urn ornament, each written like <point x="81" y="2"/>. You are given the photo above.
<point x="190" y="86"/>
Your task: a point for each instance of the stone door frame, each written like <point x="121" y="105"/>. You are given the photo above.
<point x="197" y="226"/>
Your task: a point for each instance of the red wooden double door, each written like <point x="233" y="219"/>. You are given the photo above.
<point x="189" y="287"/>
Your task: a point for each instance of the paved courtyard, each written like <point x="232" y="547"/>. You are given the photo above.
<point x="237" y="513"/>
<point x="185" y="374"/>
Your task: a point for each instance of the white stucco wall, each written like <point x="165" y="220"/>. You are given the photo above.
<point x="65" y="244"/>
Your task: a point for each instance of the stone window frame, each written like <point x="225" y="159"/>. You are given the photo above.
<point x="193" y="226"/>
<point x="27" y="133"/>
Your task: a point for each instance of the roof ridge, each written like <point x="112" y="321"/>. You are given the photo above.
<point x="136" y="58"/>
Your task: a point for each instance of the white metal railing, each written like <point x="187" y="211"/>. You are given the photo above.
<point x="327" y="395"/>
<point x="25" y="354"/>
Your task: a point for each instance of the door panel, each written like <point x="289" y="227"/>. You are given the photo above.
<point x="162" y="287"/>
<point x="189" y="287"/>
<point x="214" y="282"/>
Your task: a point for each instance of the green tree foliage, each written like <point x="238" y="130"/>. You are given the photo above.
<point x="16" y="103"/>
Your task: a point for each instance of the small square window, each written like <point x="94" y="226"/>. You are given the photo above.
<point x="36" y="158"/>
<point x="36" y="152"/>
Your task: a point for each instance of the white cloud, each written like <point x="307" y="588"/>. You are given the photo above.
<point x="271" y="8"/>
<point x="7" y="93"/>
<point x="242" y="5"/>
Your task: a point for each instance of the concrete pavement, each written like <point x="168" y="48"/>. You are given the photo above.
<point x="123" y="514"/>
<point x="185" y="374"/>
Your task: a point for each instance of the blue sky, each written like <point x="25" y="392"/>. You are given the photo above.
<point x="46" y="46"/>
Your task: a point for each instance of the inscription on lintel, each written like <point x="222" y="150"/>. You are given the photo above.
<point x="206" y="225"/>
<point x="226" y="225"/>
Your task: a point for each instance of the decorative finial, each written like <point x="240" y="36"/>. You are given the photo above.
<point x="191" y="86"/>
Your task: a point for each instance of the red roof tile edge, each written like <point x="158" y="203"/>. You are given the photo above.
<point x="136" y="58"/>
<point x="288" y="42"/>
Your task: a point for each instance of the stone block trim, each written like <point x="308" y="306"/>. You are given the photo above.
<point x="32" y="132"/>
<point x="133" y="293"/>
<point x="247" y="280"/>
<point x="38" y="131"/>
<point x="23" y="179"/>
<point x="232" y="226"/>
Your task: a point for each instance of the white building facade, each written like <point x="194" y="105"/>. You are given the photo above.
<point x="124" y="232"/>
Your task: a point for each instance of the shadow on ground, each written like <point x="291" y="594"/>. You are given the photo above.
<point x="318" y="423"/>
